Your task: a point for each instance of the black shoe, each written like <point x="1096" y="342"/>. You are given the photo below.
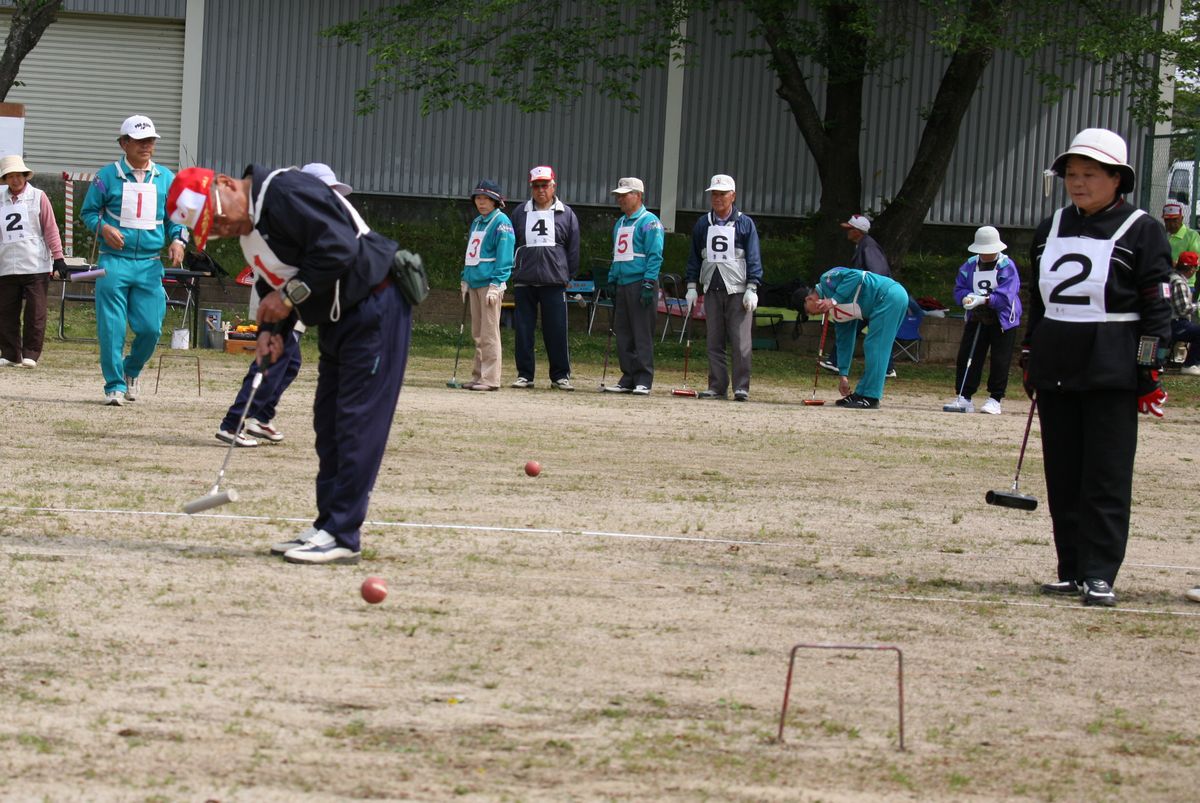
<point x="1098" y="592"/>
<point x="856" y="402"/>
<point x="741" y="395"/>
<point x="1067" y="587"/>
<point x="710" y="394"/>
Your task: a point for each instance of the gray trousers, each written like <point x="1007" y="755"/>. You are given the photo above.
<point x="633" y="326"/>
<point x="728" y="322"/>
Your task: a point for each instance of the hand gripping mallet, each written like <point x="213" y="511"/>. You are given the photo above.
<point x="1014" y="498"/>
<point x="215" y="496"/>
<point x="814" y="401"/>
<point x="454" y="383"/>
<point x="953" y="407"/>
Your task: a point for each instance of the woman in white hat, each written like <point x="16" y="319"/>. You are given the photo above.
<point x="988" y="287"/>
<point x="29" y="247"/>
<point x="1099" y="324"/>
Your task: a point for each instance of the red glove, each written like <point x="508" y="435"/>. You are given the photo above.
<point x="1151" y="394"/>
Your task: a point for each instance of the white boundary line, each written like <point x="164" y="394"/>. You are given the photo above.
<point x="524" y="530"/>
<point x="1015" y="604"/>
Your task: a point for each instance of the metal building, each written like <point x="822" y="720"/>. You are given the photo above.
<point x="228" y="82"/>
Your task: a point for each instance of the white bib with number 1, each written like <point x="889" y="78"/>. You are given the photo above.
<point x="139" y="205"/>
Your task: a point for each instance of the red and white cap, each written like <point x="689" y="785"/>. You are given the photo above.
<point x="1172" y="209"/>
<point x="541" y="173"/>
<point x="188" y="202"/>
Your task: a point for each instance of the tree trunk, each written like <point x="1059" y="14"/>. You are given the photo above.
<point x="30" y="20"/>
<point x="898" y="225"/>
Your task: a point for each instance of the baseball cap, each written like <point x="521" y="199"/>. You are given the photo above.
<point x="721" y="183"/>
<point x="489" y="188"/>
<point x="541" y="173"/>
<point x="857" y="222"/>
<point x="625" y="185"/>
<point x="187" y="202"/>
<point x="326" y="174"/>
<point x="139" y="126"/>
<point x="1172" y="209"/>
<point x="1189" y="259"/>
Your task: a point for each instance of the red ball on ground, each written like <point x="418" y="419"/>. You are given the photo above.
<point x="374" y="590"/>
<point x="533" y="468"/>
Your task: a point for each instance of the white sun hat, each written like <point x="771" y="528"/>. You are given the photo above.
<point x="1101" y="145"/>
<point x="987" y="241"/>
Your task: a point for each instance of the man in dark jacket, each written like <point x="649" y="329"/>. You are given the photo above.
<point x="546" y="260"/>
<point x="868" y="256"/>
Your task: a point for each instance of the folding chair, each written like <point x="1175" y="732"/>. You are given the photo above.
<point x="601" y="297"/>
<point x="669" y="302"/>
<point x="908" y="339"/>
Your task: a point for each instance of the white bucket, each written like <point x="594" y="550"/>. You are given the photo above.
<point x="181" y="338"/>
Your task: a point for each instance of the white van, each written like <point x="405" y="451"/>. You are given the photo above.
<point x="1181" y="182"/>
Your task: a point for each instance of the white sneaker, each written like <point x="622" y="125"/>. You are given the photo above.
<point x="522" y="382"/>
<point x="562" y="384"/>
<point x="240" y="438"/>
<point x="28" y="363"/>
<point x="262" y="429"/>
<point x="1193" y="594"/>
<point x="615" y="389"/>
<point x="6" y="363"/>
<point x="298" y="541"/>
<point x="963" y="404"/>
<point x="133" y="388"/>
<point x="321" y="548"/>
<point x="991" y="407"/>
<point x="114" y="399"/>
<point x="641" y="390"/>
<point x="1190" y="370"/>
<point x="828" y="366"/>
<point x="891" y="374"/>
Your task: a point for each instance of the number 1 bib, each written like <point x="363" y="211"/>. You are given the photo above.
<point x="1073" y="273"/>
<point x="139" y="205"/>
<point x="539" y="229"/>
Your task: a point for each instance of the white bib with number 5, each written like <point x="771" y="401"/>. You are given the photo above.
<point x="539" y="229"/>
<point x="1073" y="273"/>
<point x="623" y="247"/>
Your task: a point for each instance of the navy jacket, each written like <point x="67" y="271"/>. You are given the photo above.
<point x="546" y="265"/>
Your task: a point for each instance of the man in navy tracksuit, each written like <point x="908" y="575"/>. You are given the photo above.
<point x="546" y="259"/>
<point x="317" y="261"/>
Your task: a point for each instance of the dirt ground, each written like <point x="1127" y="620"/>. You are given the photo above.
<point x="617" y="628"/>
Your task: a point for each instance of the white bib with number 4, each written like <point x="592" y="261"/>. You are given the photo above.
<point x="720" y="243"/>
<point x="539" y="229"/>
<point x="15" y="218"/>
<point x="1073" y="273"/>
<point x="623" y="247"/>
<point x="139" y="205"/>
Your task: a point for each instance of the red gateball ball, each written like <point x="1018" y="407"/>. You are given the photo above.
<point x="533" y="468"/>
<point x="374" y="590"/>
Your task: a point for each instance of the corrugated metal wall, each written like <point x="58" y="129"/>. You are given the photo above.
<point x="288" y="98"/>
<point x="159" y="9"/>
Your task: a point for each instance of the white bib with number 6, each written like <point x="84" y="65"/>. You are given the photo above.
<point x="1073" y="273"/>
<point x="15" y="216"/>
<point x="139" y="205"/>
<point x="623" y="247"/>
<point x="539" y="229"/>
<point x="720" y="243"/>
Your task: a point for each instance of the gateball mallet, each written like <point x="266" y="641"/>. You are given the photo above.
<point x="216" y="496"/>
<point x="1014" y="498"/>
<point x="454" y="383"/>
<point x="814" y="401"/>
<point x="685" y="390"/>
<point x="954" y="408"/>
<point x="607" y="348"/>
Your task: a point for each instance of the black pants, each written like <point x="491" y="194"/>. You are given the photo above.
<point x="1089" y="440"/>
<point x="27" y="293"/>
<point x="1001" y="345"/>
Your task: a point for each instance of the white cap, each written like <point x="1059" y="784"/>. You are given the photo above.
<point x="326" y="174"/>
<point x="987" y="241"/>
<point x="629" y="185"/>
<point x="138" y="127"/>
<point x="1103" y="146"/>
<point x="721" y="183"/>
<point x="541" y="173"/>
<point x="858" y="222"/>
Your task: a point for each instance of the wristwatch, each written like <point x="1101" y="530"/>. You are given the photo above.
<point x="295" y="292"/>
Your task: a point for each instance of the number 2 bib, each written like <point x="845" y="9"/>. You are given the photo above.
<point x="1073" y="273"/>
<point x="15" y="216"/>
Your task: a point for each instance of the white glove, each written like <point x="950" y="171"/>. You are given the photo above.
<point x="462" y="290"/>
<point x="493" y="294"/>
<point x="691" y="296"/>
<point x="750" y="299"/>
<point x="973" y="301"/>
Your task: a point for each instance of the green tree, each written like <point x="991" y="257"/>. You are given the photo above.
<point x="534" y="53"/>
<point x="30" y="20"/>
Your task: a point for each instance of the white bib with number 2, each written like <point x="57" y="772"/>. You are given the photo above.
<point x="15" y="216"/>
<point x="1073" y="273"/>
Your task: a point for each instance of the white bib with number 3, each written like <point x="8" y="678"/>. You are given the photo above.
<point x="623" y="247"/>
<point x="720" y="243"/>
<point x="847" y="311"/>
<point x="539" y="229"/>
<point x="15" y="217"/>
<point x="1073" y="273"/>
<point x="474" y="244"/>
<point x="139" y="205"/>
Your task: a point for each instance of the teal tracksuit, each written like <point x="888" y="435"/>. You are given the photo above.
<point x="883" y="302"/>
<point x="131" y="291"/>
